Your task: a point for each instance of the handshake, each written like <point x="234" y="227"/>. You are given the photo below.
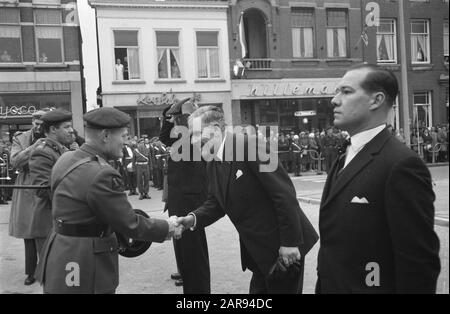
<point x="177" y="225"/>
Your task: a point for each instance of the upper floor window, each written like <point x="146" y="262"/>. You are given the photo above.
<point x="302" y="23"/>
<point x="387" y="41"/>
<point x="420" y="41"/>
<point x="446" y="45"/>
<point x="10" y="36"/>
<point x="168" y="49"/>
<point x="46" y="1"/>
<point x="337" y="33"/>
<point x="207" y="55"/>
<point x="126" y="55"/>
<point x="49" y="36"/>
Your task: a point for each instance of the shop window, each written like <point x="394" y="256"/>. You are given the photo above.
<point x="302" y="23"/>
<point x="337" y="33"/>
<point x="10" y="36"/>
<point x="208" y="55"/>
<point x="126" y="55"/>
<point x="420" y="41"/>
<point x="168" y="55"/>
<point x="49" y="36"/>
<point x="387" y="41"/>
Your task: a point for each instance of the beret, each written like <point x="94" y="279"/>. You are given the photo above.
<point x="56" y="116"/>
<point x="106" y="118"/>
<point x="176" y="107"/>
<point x="38" y="114"/>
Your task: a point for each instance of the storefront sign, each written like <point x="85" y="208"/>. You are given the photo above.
<point x="305" y="113"/>
<point x="17" y="111"/>
<point x="165" y="99"/>
<point x="292" y="89"/>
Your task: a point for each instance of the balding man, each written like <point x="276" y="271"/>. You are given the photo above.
<point x="377" y="214"/>
<point x="88" y="206"/>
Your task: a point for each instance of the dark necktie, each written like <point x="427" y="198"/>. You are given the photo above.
<point x="342" y="150"/>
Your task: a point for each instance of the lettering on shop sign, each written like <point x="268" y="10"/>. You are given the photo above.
<point x="293" y="89"/>
<point x="17" y="111"/>
<point x="163" y="100"/>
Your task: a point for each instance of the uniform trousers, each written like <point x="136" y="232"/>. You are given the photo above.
<point x="143" y="177"/>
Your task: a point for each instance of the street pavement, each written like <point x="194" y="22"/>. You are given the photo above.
<point x="150" y="273"/>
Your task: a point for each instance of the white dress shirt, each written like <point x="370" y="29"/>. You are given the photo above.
<point x="359" y="141"/>
<point x="219" y="154"/>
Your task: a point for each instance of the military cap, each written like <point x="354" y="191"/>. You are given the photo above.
<point x="106" y="118"/>
<point x="38" y="114"/>
<point x="175" y="109"/>
<point x="56" y="116"/>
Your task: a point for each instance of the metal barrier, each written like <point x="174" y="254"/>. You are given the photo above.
<point x="434" y="150"/>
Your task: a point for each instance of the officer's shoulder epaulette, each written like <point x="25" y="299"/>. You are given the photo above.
<point x="42" y="145"/>
<point x="102" y="162"/>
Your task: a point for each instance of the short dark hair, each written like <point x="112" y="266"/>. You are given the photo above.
<point x="379" y="79"/>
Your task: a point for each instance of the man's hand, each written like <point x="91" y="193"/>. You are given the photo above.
<point x="74" y="146"/>
<point x="172" y="221"/>
<point x="289" y="255"/>
<point x="187" y="221"/>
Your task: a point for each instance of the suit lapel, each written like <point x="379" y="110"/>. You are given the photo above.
<point x="363" y="158"/>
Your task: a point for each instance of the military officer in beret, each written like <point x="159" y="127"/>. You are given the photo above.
<point x="57" y="127"/>
<point x="24" y="143"/>
<point x="88" y="206"/>
<point x="187" y="189"/>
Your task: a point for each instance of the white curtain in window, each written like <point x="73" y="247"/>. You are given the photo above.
<point x="446" y="45"/>
<point x="419" y="47"/>
<point x="214" y="62"/>
<point x="175" y="63"/>
<point x="308" y="42"/>
<point x="423" y="44"/>
<point x="330" y="45"/>
<point x="9" y="32"/>
<point x="133" y="63"/>
<point x="48" y="32"/>
<point x="202" y="62"/>
<point x="342" y="42"/>
<point x="296" y="43"/>
<point x="389" y="42"/>
<point x="162" y="63"/>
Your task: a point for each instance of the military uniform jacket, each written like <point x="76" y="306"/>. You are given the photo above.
<point x="141" y="153"/>
<point x="21" y="211"/>
<point x="41" y="163"/>
<point x="91" y="193"/>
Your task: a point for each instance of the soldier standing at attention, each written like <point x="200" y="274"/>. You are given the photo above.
<point x="89" y="205"/>
<point x="24" y="143"/>
<point x="142" y="169"/>
<point x="57" y="126"/>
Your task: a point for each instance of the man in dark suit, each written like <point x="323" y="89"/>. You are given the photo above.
<point x="187" y="189"/>
<point x="377" y="214"/>
<point x="261" y="203"/>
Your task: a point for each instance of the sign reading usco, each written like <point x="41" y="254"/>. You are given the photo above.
<point x="17" y="111"/>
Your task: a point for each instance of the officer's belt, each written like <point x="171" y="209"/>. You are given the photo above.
<point x="80" y="230"/>
<point x="142" y="163"/>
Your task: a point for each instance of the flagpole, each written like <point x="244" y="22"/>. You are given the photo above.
<point x="404" y="73"/>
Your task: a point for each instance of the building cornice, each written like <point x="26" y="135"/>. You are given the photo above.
<point x="162" y="5"/>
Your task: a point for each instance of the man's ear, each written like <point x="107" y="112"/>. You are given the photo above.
<point x="377" y="100"/>
<point x="104" y="134"/>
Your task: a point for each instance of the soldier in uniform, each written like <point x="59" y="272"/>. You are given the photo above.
<point x="142" y="170"/>
<point x="57" y="126"/>
<point x="88" y="206"/>
<point x="129" y="168"/>
<point x="187" y="189"/>
<point x="24" y="143"/>
<point x="329" y="144"/>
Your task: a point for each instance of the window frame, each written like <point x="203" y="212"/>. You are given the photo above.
<point x="209" y="77"/>
<point x="18" y="25"/>
<point x="428" y="43"/>
<point x="314" y="35"/>
<point x="347" y="36"/>
<point x="36" y="41"/>
<point x="393" y="33"/>
<point x="167" y="49"/>
<point x="138" y="47"/>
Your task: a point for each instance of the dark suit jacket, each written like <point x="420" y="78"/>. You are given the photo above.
<point x="263" y="207"/>
<point x="395" y="230"/>
<point x="187" y="180"/>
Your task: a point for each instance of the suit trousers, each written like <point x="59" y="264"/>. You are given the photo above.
<point x="193" y="262"/>
<point x="260" y="285"/>
<point x="143" y="175"/>
<point x="31" y="256"/>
